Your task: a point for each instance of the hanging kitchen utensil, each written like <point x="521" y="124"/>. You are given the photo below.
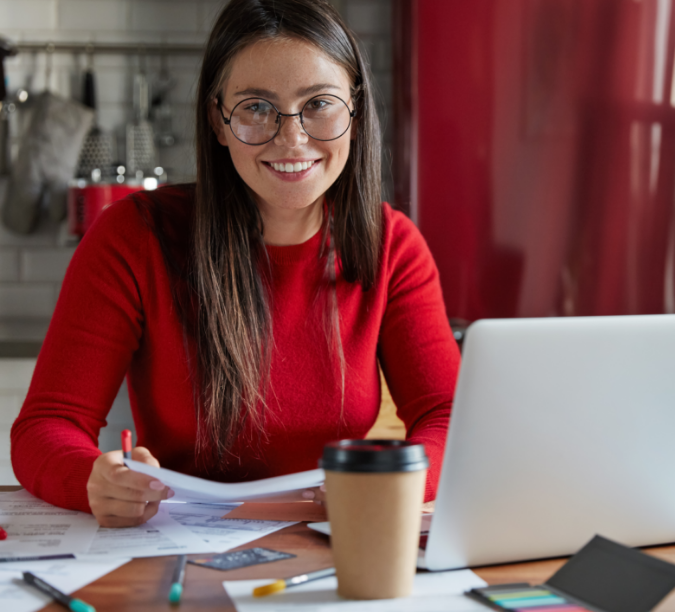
<point x="161" y="112"/>
<point x="96" y="153"/>
<point x="7" y="49"/>
<point x="46" y="161"/>
<point x="141" y="152"/>
<point x="47" y="158"/>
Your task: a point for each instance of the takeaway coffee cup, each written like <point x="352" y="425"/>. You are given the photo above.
<point x="374" y="495"/>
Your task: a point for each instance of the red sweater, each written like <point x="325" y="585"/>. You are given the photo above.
<point x="115" y="316"/>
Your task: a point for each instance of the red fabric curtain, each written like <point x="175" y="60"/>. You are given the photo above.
<point x="545" y="158"/>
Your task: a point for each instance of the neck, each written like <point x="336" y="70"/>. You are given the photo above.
<point x="283" y="227"/>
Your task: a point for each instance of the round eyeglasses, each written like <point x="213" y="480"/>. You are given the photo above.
<point x="256" y="121"/>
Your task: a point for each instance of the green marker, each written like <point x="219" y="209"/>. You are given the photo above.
<point x="177" y="580"/>
<point x="76" y="605"/>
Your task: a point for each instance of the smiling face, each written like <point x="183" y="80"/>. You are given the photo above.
<point x="293" y="171"/>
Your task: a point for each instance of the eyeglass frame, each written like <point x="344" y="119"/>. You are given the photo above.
<point x="352" y="114"/>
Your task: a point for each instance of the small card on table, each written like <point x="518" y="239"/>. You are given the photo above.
<point x="242" y="558"/>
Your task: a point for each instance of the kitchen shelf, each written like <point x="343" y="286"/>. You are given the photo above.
<point x="110" y="48"/>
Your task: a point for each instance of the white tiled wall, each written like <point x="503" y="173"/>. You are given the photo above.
<point x="15" y="376"/>
<point x="32" y="267"/>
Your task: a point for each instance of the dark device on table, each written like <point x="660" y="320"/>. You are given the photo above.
<point x="602" y="577"/>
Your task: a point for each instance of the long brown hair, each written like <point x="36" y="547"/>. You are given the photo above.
<point x="229" y="275"/>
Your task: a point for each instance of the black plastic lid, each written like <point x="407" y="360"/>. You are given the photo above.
<point x="373" y="456"/>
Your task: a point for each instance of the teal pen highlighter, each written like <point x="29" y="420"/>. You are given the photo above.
<point x="177" y="580"/>
<point x="76" y="605"/>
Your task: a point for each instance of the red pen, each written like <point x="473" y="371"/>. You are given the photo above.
<point x="126" y="444"/>
<point x="3" y="534"/>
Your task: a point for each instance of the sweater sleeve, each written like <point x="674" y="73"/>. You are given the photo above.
<point x="417" y="352"/>
<point x="96" y="327"/>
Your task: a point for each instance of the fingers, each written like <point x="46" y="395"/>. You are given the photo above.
<point x="113" y="491"/>
<point x="316" y="494"/>
<point x="122" y="476"/>
<point x="128" y="521"/>
<point x="119" y="474"/>
<point x="121" y="509"/>
<point x="142" y="454"/>
<point x="120" y="497"/>
<point x="151" y="509"/>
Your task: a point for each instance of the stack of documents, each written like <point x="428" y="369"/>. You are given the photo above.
<point x="38" y="528"/>
<point x="39" y="532"/>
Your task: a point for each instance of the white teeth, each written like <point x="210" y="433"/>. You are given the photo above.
<point x="296" y="167"/>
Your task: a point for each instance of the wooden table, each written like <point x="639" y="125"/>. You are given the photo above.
<point x="142" y="585"/>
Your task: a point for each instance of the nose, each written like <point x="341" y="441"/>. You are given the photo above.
<point x="291" y="133"/>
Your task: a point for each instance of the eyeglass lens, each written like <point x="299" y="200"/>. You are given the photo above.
<point x="255" y="121"/>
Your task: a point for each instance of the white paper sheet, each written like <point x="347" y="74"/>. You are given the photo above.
<point x="191" y="488"/>
<point x="35" y="527"/>
<point x="67" y="576"/>
<point x="432" y="592"/>
<point x="204" y="520"/>
<point x="161" y="535"/>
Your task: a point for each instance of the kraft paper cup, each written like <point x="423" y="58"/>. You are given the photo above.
<point x="374" y="495"/>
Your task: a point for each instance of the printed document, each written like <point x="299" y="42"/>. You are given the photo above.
<point x="35" y="527"/>
<point x="191" y="488"/>
<point x="67" y="576"/>
<point x="432" y="592"/>
<point x="206" y="522"/>
<point x="161" y="535"/>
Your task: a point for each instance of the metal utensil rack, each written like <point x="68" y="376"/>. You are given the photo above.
<point x="110" y="48"/>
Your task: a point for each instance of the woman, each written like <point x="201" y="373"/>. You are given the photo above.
<point x="248" y="311"/>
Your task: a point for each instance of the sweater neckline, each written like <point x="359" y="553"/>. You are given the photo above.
<point x="294" y="253"/>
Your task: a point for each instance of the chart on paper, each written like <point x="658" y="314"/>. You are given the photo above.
<point x="35" y="527"/>
<point x="205" y="521"/>
<point x="161" y="535"/>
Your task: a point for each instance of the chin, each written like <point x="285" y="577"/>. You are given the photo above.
<point x="290" y="201"/>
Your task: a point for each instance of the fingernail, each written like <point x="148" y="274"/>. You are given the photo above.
<point x="323" y="487"/>
<point x="155" y="485"/>
<point x="170" y="494"/>
<point x="308" y="494"/>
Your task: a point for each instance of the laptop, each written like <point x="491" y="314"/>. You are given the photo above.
<point x="562" y="428"/>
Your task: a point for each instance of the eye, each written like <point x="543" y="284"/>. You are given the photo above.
<point x="319" y="104"/>
<point x="258" y="106"/>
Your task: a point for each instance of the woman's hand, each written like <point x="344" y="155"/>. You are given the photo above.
<point x="120" y="497"/>
<point x="316" y="494"/>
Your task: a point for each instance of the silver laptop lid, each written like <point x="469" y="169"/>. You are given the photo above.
<point x="562" y="428"/>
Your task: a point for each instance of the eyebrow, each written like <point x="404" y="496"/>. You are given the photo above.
<point x="266" y="93"/>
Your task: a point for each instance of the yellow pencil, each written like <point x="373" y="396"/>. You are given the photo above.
<point x="281" y="585"/>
